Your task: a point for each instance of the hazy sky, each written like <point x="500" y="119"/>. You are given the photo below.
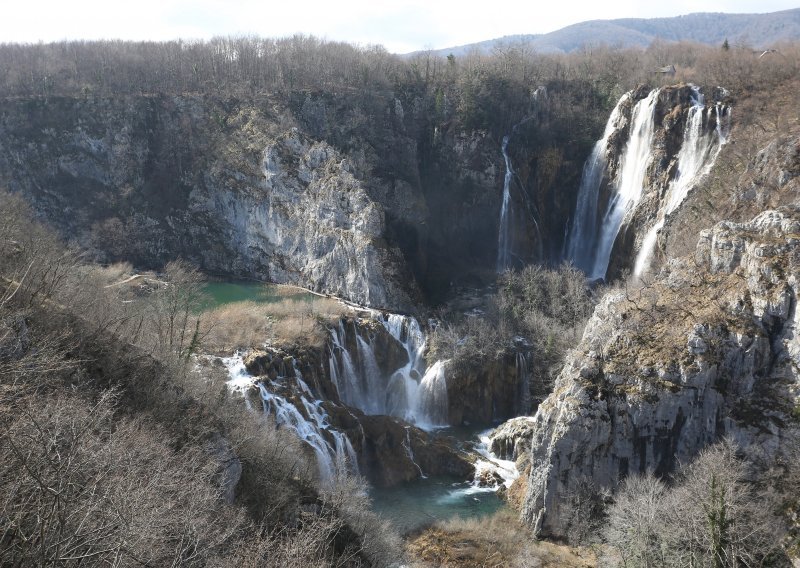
<point x="400" y="25"/>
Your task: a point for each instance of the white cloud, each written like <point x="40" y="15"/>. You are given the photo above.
<point x="399" y="25"/>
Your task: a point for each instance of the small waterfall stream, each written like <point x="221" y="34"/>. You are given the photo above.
<point x="504" y="235"/>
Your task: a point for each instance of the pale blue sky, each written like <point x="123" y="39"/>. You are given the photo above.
<point x="401" y="26"/>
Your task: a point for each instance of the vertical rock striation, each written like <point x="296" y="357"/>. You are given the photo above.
<point x="708" y="350"/>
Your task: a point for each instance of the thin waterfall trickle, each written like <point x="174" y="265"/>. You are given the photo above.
<point x="581" y="240"/>
<point x="410" y="452"/>
<point x="630" y="184"/>
<point x="699" y="150"/>
<point x="504" y="235"/>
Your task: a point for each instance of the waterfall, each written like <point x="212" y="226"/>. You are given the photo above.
<point x="343" y="371"/>
<point x="333" y="458"/>
<point x="630" y="184"/>
<point x="492" y="468"/>
<point x="699" y="151"/>
<point x="409" y="392"/>
<point x="430" y="408"/>
<point x="373" y="401"/>
<point x="524" y="383"/>
<point x="580" y="249"/>
<point x="504" y="235"/>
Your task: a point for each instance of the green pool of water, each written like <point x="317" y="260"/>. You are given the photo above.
<point x="221" y="293"/>
<point x="420" y="503"/>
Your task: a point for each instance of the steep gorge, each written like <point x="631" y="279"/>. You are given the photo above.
<point x="373" y="197"/>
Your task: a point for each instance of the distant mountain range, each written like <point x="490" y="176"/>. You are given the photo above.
<point x="755" y="30"/>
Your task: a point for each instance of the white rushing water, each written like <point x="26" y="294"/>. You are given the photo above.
<point x="581" y="240"/>
<point x="699" y="150"/>
<point x="332" y="448"/>
<point x="491" y="466"/>
<point x="630" y="183"/>
<point x="411" y="392"/>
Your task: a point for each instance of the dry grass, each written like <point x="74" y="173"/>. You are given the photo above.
<point x="497" y="541"/>
<point x="243" y="325"/>
<point x="248" y="325"/>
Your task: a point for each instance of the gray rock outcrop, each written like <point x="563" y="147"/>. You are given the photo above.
<point x="308" y="220"/>
<point x="708" y="350"/>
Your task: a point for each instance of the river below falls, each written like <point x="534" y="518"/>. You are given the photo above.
<point x="416" y="504"/>
<point x="409" y="506"/>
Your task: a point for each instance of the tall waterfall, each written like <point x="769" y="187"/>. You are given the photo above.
<point x="410" y="392"/>
<point x="504" y="235"/>
<point x="630" y="184"/>
<point x="332" y="448"/>
<point x="580" y="249"/>
<point x="697" y="155"/>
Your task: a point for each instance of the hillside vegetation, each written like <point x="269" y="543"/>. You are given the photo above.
<point x="113" y="452"/>
<point x="756" y="30"/>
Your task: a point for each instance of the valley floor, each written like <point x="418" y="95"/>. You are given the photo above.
<point x="498" y="541"/>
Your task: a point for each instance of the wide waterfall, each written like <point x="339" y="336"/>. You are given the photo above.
<point x="630" y="184"/>
<point x="332" y="448"/>
<point x="581" y="240"/>
<point x="697" y="155"/>
<point x="589" y="246"/>
<point x="411" y="392"/>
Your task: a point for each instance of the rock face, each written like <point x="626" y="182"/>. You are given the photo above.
<point x="370" y="195"/>
<point x="394" y="452"/>
<point x="485" y="393"/>
<point x="233" y="189"/>
<point x="308" y="221"/>
<point x="708" y="350"/>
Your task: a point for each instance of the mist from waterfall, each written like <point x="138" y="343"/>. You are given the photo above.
<point x="699" y="151"/>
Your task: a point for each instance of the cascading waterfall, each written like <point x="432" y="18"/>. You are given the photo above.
<point x="630" y="185"/>
<point x="699" y="151"/>
<point x="431" y="408"/>
<point x="332" y="458"/>
<point x="490" y="463"/>
<point x="410" y="392"/>
<point x="581" y="241"/>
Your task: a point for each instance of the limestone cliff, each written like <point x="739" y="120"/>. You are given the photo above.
<point x="709" y="349"/>
<point x="234" y="189"/>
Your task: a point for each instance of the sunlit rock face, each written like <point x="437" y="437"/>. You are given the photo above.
<point x="707" y="350"/>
